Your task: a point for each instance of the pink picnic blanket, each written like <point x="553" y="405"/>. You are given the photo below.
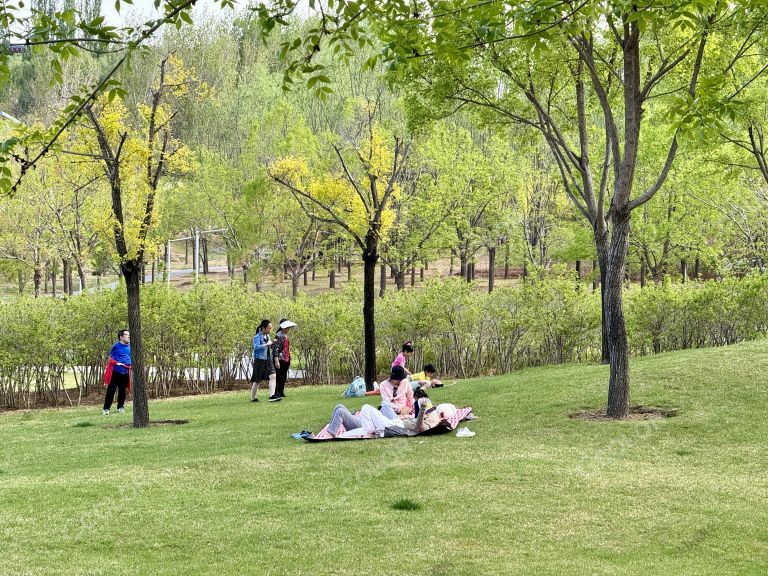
<point x="446" y="425"/>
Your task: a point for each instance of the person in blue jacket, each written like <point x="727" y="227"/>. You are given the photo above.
<point x="263" y="367"/>
<point x="120" y="364"/>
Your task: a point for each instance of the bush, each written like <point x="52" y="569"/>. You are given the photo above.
<point x="200" y="340"/>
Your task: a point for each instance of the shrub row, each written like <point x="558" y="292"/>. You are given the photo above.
<point x="199" y="340"/>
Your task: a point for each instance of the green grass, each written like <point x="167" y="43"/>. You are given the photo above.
<point x="534" y="492"/>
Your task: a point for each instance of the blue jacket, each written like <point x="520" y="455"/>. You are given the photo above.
<point x="260" y="348"/>
<point x="121" y="353"/>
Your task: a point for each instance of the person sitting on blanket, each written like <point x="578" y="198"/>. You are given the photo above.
<point x="425" y="378"/>
<point x="371" y="421"/>
<point x="397" y="392"/>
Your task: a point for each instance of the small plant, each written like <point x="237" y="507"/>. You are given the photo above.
<point x="405" y="504"/>
<point x="83" y="424"/>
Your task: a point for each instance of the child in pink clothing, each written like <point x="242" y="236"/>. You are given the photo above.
<point x="402" y="358"/>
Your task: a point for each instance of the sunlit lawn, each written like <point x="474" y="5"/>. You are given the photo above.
<point x="534" y="492"/>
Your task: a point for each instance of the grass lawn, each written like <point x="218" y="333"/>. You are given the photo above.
<point x="534" y="492"/>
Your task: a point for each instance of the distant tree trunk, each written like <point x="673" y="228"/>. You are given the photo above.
<point x="195" y="258"/>
<point x="332" y="278"/>
<point x="314" y="268"/>
<point x="67" y="278"/>
<point x="154" y="263"/>
<point x="245" y="274"/>
<point x="186" y="253"/>
<point x="491" y="267"/>
<point x="294" y="286"/>
<point x="382" y="280"/>
<point x="349" y="270"/>
<point x="46" y="275"/>
<point x="143" y="269"/>
<point x="338" y="264"/>
<point x="696" y="268"/>
<point x="53" y="282"/>
<point x="506" y="260"/>
<point x="525" y="270"/>
<point x="399" y="277"/>
<point x="413" y="276"/>
<point x="643" y="272"/>
<point x="20" y="283"/>
<point x="578" y="269"/>
<point x="205" y="255"/>
<point x="684" y="270"/>
<point x="450" y="269"/>
<point x="421" y="274"/>
<point x="37" y="277"/>
<point x="462" y="266"/>
<point x="305" y="276"/>
<point x="131" y="272"/>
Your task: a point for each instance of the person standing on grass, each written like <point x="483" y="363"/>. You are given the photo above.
<point x="263" y="367"/>
<point x="402" y="358"/>
<point x="117" y="376"/>
<point x="281" y="352"/>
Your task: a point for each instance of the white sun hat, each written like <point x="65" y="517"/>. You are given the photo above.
<point x="287" y="324"/>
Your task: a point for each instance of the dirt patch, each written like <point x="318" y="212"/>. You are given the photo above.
<point x="635" y="413"/>
<point x="151" y="423"/>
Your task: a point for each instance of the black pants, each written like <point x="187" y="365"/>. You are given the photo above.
<point x="118" y="382"/>
<point x="282" y="376"/>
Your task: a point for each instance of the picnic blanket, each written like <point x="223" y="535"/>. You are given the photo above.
<point x="445" y="425"/>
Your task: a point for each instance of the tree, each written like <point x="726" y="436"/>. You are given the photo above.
<point x="134" y="164"/>
<point x="356" y="198"/>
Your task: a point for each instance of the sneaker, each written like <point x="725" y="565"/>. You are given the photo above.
<point x="464" y="433"/>
<point x="275" y="398"/>
<point x="254" y="399"/>
<point x="283" y="396"/>
<point x="105" y="412"/>
<point x="121" y="410"/>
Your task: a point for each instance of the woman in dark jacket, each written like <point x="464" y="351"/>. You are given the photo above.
<point x="281" y="354"/>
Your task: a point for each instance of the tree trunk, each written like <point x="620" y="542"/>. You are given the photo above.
<point x="421" y="274"/>
<point x="643" y="272"/>
<point x="245" y="274"/>
<point x="696" y="268"/>
<point x="132" y="272"/>
<point x="450" y="269"/>
<point x="349" y="270"/>
<point x="152" y="272"/>
<point x="684" y="270"/>
<point x="506" y="261"/>
<point x="53" y="283"/>
<point x="38" y="275"/>
<point x="413" y="276"/>
<point x="186" y="253"/>
<point x="578" y="270"/>
<point x="65" y="276"/>
<point x="462" y="265"/>
<point x="618" y="386"/>
<point x="491" y="267"/>
<point x="399" y="278"/>
<point x="525" y="270"/>
<point x="370" y="259"/>
<point x="294" y="285"/>
<point x="305" y="276"/>
<point x="382" y="280"/>
<point x="314" y="269"/>
<point x="332" y="278"/>
<point x="595" y="277"/>
<point x="20" y="283"/>
<point x="46" y="276"/>
<point x="205" y="255"/>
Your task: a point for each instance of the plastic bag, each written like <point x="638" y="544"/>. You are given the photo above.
<point x="356" y="389"/>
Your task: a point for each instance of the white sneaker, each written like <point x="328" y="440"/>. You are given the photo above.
<point x="464" y="433"/>
<point x="121" y="410"/>
<point x="105" y="412"/>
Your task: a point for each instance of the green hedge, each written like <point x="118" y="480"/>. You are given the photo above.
<point x="200" y="340"/>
